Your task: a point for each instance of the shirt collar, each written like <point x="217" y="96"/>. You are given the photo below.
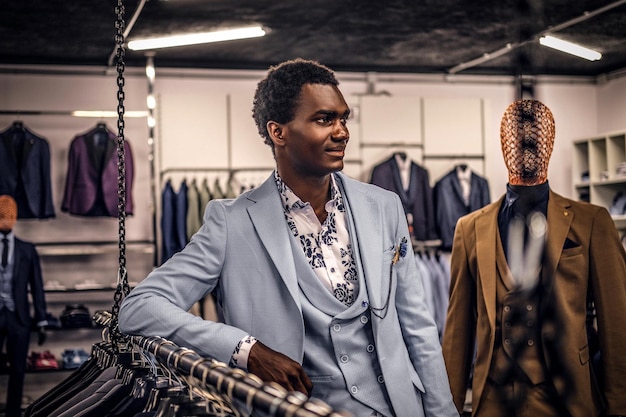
<point x="464" y="174"/>
<point x="531" y="195"/>
<point x="291" y="201"/>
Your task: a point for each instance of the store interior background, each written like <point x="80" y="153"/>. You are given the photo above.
<point x="204" y="127"/>
<point x="431" y="80"/>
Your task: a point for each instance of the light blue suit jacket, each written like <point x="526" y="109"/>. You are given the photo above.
<point x="243" y="251"/>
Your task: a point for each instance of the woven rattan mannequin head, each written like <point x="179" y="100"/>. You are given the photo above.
<point x="527" y="139"/>
<point x="8" y="213"/>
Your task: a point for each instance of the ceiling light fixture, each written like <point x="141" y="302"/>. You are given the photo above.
<point x="570" y="48"/>
<point x="196" y="38"/>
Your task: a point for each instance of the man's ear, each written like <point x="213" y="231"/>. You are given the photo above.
<point x="275" y="131"/>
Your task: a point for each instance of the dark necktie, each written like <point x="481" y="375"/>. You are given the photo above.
<point x="5" y="252"/>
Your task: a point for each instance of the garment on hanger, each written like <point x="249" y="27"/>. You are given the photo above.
<point x="416" y="195"/>
<point x="457" y="193"/>
<point x="173" y="219"/>
<point x="91" y="183"/>
<point x="114" y="384"/>
<point x="435" y="273"/>
<point x="194" y="211"/>
<point x="25" y="171"/>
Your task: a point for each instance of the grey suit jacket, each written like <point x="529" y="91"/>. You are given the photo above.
<point x="243" y="252"/>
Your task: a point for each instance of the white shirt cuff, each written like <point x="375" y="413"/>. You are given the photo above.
<point x="241" y="353"/>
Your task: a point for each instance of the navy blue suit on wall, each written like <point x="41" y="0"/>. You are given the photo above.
<point x="25" y="172"/>
<point x="417" y="200"/>
<point x="450" y="206"/>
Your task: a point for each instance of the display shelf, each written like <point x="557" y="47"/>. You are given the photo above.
<point x="91" y="248"/>
<point x="599" y="170"/>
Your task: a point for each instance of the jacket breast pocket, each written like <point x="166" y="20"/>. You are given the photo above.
<point x="569" y="252"/>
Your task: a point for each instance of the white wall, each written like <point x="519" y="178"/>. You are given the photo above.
<point x="611" y="111"/>
<point x="204" y="117"/>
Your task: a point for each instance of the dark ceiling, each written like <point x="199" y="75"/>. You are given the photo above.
<point x="427" y="36"/>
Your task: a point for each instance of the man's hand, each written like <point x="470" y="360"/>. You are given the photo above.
<point x="41" y="335"/>
<point x="272" y="366"/>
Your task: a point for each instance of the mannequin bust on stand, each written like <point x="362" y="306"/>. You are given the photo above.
<point x="20" y="273"/>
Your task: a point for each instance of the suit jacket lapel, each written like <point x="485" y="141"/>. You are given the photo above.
<point x="486" y="234"/>
<point x="367" y="255"/>
<point x="397" y="180"/>
<point x="27" y="146"/>
<point x="268" y="219"/>
<point x="559" y="220"/>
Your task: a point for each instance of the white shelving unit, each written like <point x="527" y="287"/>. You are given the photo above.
<point x="595" y="169"/>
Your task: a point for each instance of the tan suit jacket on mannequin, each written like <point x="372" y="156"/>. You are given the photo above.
<point x="599" y="262"/>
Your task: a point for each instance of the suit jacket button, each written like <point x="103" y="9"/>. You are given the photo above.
<point x="344" y="358"/>
<point x="381" y="379"/>
<point x="354" y="389"/>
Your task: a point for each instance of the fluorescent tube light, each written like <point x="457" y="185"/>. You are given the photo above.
<point x="196" y="38"/>
<point x="570" y="48"/>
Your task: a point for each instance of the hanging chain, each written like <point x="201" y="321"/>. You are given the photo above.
<point x="122" y="283"/>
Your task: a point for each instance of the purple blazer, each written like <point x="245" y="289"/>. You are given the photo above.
<point x="91" y="187"/>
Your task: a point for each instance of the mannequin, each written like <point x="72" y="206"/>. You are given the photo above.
<point x="20" y="273"/>
<point x="528" y="344"/>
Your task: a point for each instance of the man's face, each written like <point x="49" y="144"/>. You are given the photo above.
<point x="315" y="140"/>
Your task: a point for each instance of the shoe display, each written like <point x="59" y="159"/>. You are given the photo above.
<point x="40" y="361"/>
<point x="74" y="358"/>
<point x="76" y="316"/>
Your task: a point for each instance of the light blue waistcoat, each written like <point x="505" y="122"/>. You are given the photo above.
<point x="340" y="354"/>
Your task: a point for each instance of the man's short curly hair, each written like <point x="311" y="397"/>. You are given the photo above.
<point x="278" y="94"/>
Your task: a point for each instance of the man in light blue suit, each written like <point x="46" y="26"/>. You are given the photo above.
<point x="313" y="270"/>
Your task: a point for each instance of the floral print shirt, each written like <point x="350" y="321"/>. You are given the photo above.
<point x="326" y="246"/>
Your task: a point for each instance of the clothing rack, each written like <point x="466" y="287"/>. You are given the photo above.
<point x="230" y="171"/>
<point x="234" y="383"/>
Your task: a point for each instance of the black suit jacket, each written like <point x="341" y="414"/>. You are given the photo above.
<point x="27" y="278"/>
<point x="449" y="204"/>
<point x="417" y="200"/>
<point x="25" y="172"/>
